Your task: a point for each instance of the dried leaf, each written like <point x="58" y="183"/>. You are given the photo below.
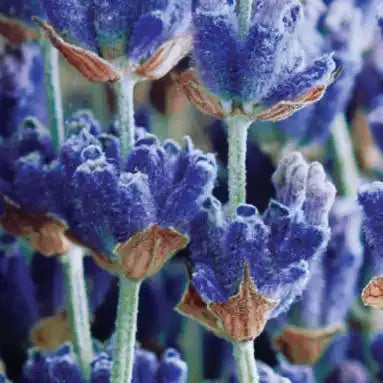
<point x="144" y="254"/>
<point x="372" y="294"/>
<point x="285" y="109"/>
<point x="51" y="332"/>
<point x="244" y="316"/>
<point x="91" y="66"/>
<point x="15" y="31"/>
<point x="44" y="233"/>
<point x="306" y="346"/>
<point x="197" y="94"/>
<point x="165" y="58"/>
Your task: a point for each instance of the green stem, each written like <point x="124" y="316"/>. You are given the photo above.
<point x="237" y="137"/>
<point x="53" y="92"/>
<point x="244" y="10"/>
<point x="345" y="162"/>
<point x="125" y="332"/>
<point x="78" y="307"/>
<point x="124" y="89"/>
<point x="245" y="362"/>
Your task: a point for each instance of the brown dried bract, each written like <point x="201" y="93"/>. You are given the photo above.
<point x="372" y="294"/>
<point x="15" y="31"/>
<point x="165" y="58"/>
<point x="91" y="66"/>
<point x="194" y="307"/>
<point x="44" y="233"/>
<point x="244" y="315"/>
<point x="51" y="332"/>
<point x="305" y="346"/>
<point x="144" y="254"/>
<point x="285" y="109"/>
<point x="197" y="94"/>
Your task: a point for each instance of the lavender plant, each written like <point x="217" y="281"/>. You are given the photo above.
<point x="131" y="198"/>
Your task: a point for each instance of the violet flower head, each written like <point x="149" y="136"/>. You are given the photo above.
<point x="349" y="371"/>
<point x="59" y="366"/>
<point x="262" y="73"/>
<point x="296" y="373"/>
<point x="370" y="197"/>
<point x="113" y="203"/>
<point x="22" y="91"/>
<point x="118" y="35"/>
<point x="265" y="259"/>
<point x="341" y="27"/>
<point x="268" y="375"/>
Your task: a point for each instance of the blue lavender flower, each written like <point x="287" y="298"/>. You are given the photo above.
<point x="16" y="19"/>
<point x="268" y="260"/>
<point x="133" y="31"/>
<point x="59" y="366"/>
<point x="262" y="74"/>
<point x="107" y="200"/>
<point x="332" y="288"/>
<point x="341" y="28"/>
<point x="22" y="91"/>
<point x="296" y="373"/>
<point x="349" y="371"/>
<point x="147" y="368"/>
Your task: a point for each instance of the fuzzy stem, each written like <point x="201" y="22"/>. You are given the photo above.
<point x="245" y="362"/>
<point x="124" y="89"/>
<point x="53" y="92"/>
<point x="78" y="307"/>
<point x="244" y="9"/>
<point x="345" y="162"/>
<point x="125" y="331"/>
<point x="237" y="137"/>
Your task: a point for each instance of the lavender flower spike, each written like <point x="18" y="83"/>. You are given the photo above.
<point x="105" y="40"/>
<point x="248" y="269"/>
<point x="261" y="73"/>
<point x="371" y="199"/>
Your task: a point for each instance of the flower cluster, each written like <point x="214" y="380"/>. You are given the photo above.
<point x="321" y="312"/>
<point x="62" y="366"/>
<point x="248" y="269"/>
<point x="262" y="72"/>
<point x="105" y="39"/>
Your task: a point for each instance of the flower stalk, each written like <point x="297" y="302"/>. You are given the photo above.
<point x="244" y="10"/>
<point x="244" y="359"/>
<point x="124" y="89"/>
<point x="77" y="304"/>
<point x="125" y="332"/>
<point x="53" y="92"/>
<point x="237" y="137"/>
<point x="345" y="163"/>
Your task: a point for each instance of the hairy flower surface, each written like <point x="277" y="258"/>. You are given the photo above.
<point x="119" y="206"/>
<point x="248" y="269"/>
<point x="263" y="73"/>
<point x="341" y="27"/>
<point x="22" y="91"/>
<point x="104" y="39"/>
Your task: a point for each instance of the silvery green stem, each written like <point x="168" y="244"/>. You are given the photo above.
<point x="345" y="162"/>
<point x="53" y="92"/>
<point x="78" y="307"/>
<point x="237" y="137"/>
<point x="245" y="362"/>
<point x="125" y="331"/>
<point x="244" y="10"/>
<point x="125" y="105"/>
